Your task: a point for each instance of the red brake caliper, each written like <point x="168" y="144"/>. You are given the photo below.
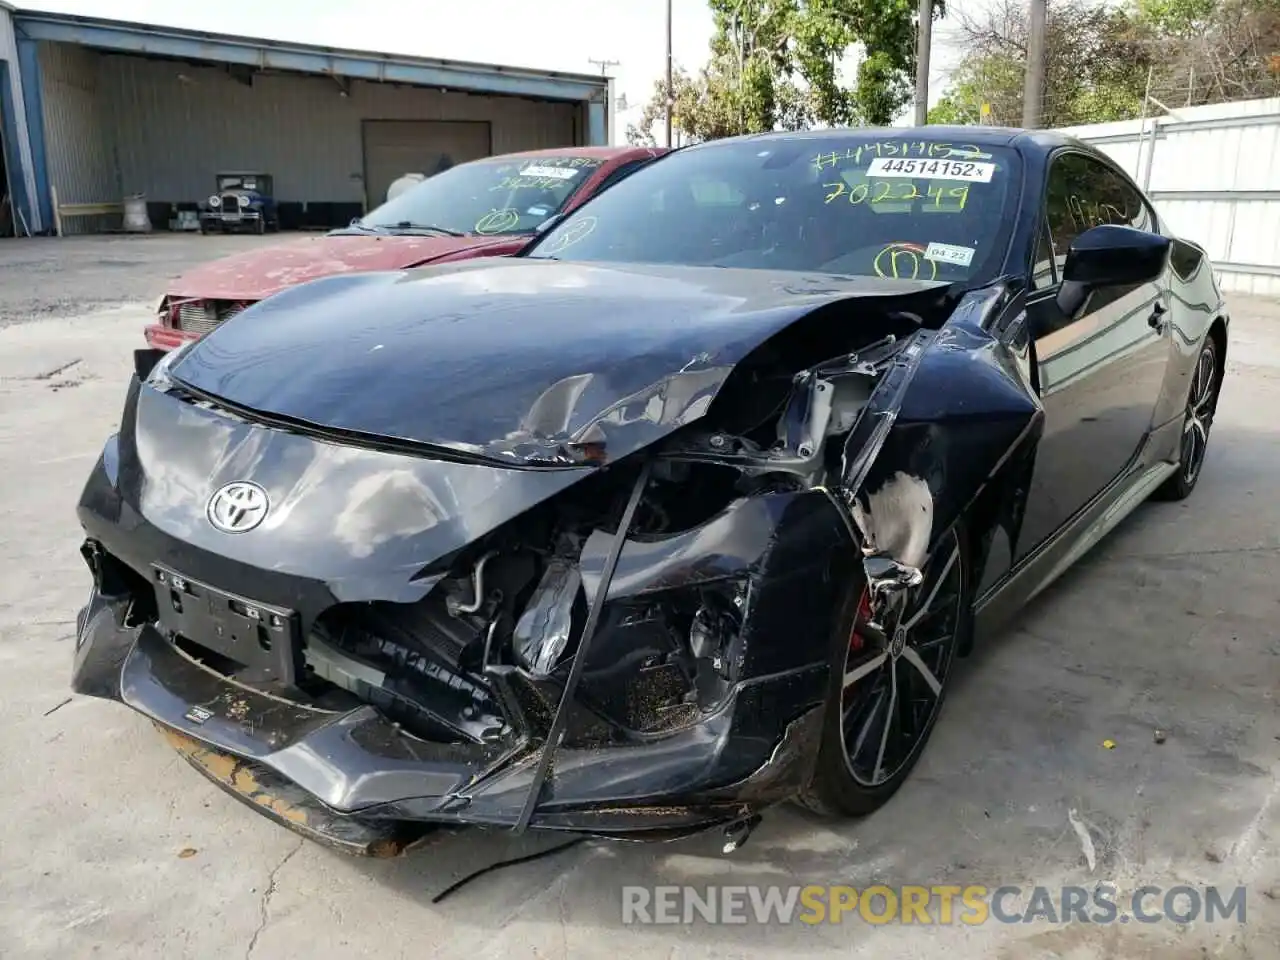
<point x="856" y="640"/>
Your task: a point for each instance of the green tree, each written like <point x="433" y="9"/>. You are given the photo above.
<point x="1098" y="58"/>
<point x="1212" y="50"/>
<point x="773" y="64"/>
<point x="1095" y="65"/>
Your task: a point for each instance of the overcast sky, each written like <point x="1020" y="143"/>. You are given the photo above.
<point x="552" y="34"/>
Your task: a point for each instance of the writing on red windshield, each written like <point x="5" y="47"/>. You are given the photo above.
<point x="547" y="173"/>
<point x="498" y="221"/>
<point x="528" y="183"/>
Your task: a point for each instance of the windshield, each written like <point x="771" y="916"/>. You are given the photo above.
<point x="489" y="197"/>
<point x="860" y="205"/>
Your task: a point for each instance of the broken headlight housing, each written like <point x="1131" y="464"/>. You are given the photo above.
<point x="667" y="659"/>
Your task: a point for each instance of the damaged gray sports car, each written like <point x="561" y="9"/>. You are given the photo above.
<point x="685" y="512"/>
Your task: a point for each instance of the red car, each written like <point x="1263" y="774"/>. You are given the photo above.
<point x="485" y="208"/>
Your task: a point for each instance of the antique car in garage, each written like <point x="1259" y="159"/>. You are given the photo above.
<point x="242" y="202"/>
<point x="687" y="510"/>
<point x="484" y="208"/>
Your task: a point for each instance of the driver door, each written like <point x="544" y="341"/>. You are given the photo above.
<point x="1100" y="373"/>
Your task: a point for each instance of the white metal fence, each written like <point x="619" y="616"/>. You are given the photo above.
<point x="1214" y="174"/>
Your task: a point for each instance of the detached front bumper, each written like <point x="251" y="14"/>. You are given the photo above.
<point x="355" y="781"/>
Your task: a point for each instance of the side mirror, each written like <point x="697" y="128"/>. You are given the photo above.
<point x="1110" y="256"/>
<point x="1106" y="256"/>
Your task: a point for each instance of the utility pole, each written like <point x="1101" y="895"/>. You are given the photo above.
<point x="669" y="90"/>
<point x="924" y="34"/>
<point x="604" y="65"/>
<point x="1033" y="88"/>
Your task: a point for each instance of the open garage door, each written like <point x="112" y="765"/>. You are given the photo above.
<point x="393" y="148"/>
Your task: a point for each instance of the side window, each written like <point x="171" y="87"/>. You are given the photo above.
<point x="1084" y="193"/>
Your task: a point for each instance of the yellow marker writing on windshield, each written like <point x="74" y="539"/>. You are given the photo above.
<point x="528" y="183"/>
<point x="876" y="192"/>
<point x="897" y="148"/>
<point x="902" y="261"/>
<point x="570" y="234"/>
<point x="496" y="221"/>
<point x="937" y="194"/>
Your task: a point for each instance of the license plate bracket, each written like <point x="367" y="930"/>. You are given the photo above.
<point x="261" y="638"/>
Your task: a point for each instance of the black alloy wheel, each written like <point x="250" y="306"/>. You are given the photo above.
<point x="1202" y="402"/>
<point x="888" y="687"/>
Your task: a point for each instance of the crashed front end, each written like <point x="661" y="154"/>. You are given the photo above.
<point x="637" y="648"/>
<point x="436" y="703"/>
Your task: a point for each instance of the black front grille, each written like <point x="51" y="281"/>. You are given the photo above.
<point x="231" y="202"/>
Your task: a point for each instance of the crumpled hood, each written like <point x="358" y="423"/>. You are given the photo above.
<point x="259" y="273"/>
<point x="516" y="359"/>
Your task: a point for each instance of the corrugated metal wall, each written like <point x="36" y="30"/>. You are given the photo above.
<point x="177" y="125"/>
<point x="81" y="162"/>
<point x="119" y="125"/>
<point x="1212" y="174"/>
<point x="21" y="169"/>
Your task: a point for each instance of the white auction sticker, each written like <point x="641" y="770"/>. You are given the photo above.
<point x="925" y="169"/>
<point x="555" y="173"/>
<point x="949" y="253"/>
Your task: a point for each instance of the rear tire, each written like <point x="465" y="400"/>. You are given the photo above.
<point x="1202" y="402"/>
<point x="877" y="724"/>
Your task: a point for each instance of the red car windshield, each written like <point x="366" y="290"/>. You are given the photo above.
<point x="487" y="197"/>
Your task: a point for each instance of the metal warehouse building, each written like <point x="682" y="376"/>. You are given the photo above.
<point x="97" y="110"/>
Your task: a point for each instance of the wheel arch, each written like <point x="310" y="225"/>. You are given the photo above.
<point x="1218" y="334"/>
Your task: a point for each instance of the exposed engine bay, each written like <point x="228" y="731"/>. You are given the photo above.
<point x="492" y="640"/>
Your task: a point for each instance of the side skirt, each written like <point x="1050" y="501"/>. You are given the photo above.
<point x="1003" y="599"/>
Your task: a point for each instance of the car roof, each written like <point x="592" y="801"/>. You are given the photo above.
<point x="601" y="153"/>
<point x="1034" y="141"/>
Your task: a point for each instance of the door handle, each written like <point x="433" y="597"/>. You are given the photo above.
<point x="1156" y="320"/>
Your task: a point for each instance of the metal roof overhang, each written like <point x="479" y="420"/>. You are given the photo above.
<point x="301" y="58"/>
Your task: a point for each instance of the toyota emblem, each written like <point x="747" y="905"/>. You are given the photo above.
<point x="238" y="507"/>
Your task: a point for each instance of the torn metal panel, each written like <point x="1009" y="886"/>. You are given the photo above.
<point x="958" y="417"/>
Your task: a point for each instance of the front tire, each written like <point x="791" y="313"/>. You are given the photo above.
<point x="1202" y="402"/>
<point x="887" y="691"/>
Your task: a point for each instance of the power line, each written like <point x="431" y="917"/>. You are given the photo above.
<point x="604" y="65"/>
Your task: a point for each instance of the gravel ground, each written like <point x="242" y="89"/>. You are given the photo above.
<point x="61" y="277"/>
<point x="111" y="847"/>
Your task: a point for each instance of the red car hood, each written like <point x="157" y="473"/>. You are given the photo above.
<point x="259" y="273"/>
